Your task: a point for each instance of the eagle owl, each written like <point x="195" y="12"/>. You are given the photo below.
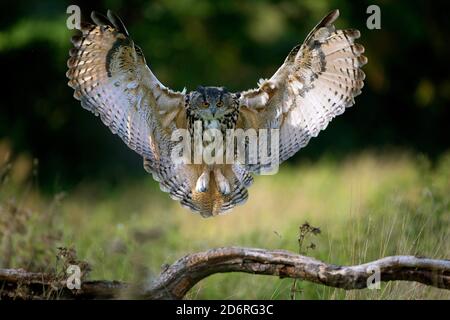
<point x="317" y="81"/>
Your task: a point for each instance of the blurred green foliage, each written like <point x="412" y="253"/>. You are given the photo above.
<point x="404" y="104"/>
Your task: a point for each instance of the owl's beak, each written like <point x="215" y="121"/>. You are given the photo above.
<point x="213" y="110"/>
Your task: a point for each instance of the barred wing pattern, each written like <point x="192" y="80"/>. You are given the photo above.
<point x="111" y="79"/>
<point x="317" y="82"/>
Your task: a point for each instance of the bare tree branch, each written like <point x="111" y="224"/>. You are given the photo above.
<point x="179" y="278"/>
<point x="176" y="280"/>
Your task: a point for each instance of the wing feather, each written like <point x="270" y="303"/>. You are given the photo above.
<point x="317" y="82"/>
<point x="110" y="77"/>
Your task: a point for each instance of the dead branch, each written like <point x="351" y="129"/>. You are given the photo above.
<point x="176" y="280"/>
<point x="20" y="284"/>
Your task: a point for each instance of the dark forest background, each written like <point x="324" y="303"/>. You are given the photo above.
<point x="404" y="104"/>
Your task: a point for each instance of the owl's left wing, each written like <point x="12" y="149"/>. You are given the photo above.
<point x="318" y="81"/>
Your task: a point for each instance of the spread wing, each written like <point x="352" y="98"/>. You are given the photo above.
<point x="111" y="79"/>
<point x="317" y="82"/>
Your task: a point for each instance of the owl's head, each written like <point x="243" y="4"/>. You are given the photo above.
<point x="211" y="103"/>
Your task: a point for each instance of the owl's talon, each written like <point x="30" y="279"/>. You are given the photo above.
<point x="224" y="188"/>
<point x="202" y="182"/>
<point x="222" y="182"/>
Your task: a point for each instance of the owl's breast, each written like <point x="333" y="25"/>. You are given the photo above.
<point x="212" y="124"/>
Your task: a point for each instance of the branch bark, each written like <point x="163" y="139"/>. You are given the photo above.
<point x="176" y="280"/>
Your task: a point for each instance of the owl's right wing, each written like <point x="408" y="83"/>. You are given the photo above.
<point x="111" y="79"/>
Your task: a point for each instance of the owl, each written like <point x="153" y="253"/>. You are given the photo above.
<point x="318" y="80"/>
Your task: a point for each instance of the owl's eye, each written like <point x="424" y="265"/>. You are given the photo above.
<point x="205" y="104"/>
<point x="219" y="104"/>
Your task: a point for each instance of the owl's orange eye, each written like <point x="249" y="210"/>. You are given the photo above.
<point x="205" y="104"/>
<point x="219" y="104"/>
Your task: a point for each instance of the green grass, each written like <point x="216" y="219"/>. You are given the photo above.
<point x="367" y="207"/>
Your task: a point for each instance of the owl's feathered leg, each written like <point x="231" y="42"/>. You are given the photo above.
<point x="221" y="182"/>
<point x="203" y="181"/>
